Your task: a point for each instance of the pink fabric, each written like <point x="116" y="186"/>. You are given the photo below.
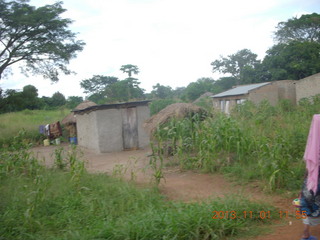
<point x="312" y="154"/>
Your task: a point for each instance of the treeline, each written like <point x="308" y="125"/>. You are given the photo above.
<point x="14" y="100"/>
<point x="109" y="89"/>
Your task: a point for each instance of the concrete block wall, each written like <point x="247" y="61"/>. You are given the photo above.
<point x="267" y="92"/>
<point x="109" y="126"/>
<point x="308" y="87"/>
<point x="287" y="90"/>
<point x="87" y="131"/>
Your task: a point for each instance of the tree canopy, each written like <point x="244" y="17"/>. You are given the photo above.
<point x="161" y="92"/>
<point x="104" y="89"/>
<point x="130" y="69"/>
<point x="12" y="100"/>
<point x="124" y="90"/>
<point x="295" y="60"/>
<point x="303" y="29"/>
<point x="38" y="38"/>
<point x="196" y="89"/>
<point x="235" y="64"/>
<point x="58" y="99"/>
<point x="295" y="55"/>
<point x="97" y="83"/>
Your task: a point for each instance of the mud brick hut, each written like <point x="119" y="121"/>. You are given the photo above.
<point x="113" y="127"/>
<point x="270" y="91"/>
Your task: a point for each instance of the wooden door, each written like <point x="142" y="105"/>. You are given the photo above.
<point x="130" y="128"/>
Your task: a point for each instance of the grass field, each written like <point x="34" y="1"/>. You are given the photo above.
<point x="12" y="123"/>
<point x="69" y="203"/>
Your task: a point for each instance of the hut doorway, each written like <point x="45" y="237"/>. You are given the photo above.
<point x="130" y="128"/>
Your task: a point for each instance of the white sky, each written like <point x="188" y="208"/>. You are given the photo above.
<point x="172" y="42"/>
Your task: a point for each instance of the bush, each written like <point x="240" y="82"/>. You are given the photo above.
<point x="157" y="105"/>
<point x="255" y="142"/>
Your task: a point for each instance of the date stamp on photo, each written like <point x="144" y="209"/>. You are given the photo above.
<point x="256" y="214"/>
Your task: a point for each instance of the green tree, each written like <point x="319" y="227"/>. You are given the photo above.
<point x="178" y="92"/>
<point x="235" y="64"/>
<point x="46" y="102"/>
<point x="98" y="98"/>
<point x="161" y="92"/>
<point x="130" y="69"/>
<point x="97" y="84"/>
<point x="223" y="84"/>
<point x="30" y="97"/>
<point x="58" y="99"/>
<point x="294" y="60"/>
<point x="12" y="101"/>
<point x="159" y="104"/>
<point x="74" y="101"/>
<point x="125" y="90"/>
<point x="36" y="37"/>
<point x="303" y="29"/>
<point x="196" y="89"/>
<point x="257" y="74"/>
<point x="297" y="52"/>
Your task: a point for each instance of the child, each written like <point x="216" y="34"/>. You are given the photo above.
<point x="310" y="208"/>
<point x="310" y="195"/>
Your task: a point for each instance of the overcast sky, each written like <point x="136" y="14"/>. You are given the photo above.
<point x="172" y="42"/>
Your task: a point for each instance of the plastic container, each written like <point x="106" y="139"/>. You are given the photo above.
<point x="73" y="140"/>
<point x="296" y="203"/>
<point x="46" y="142"/>
<point x="57" y="141"/>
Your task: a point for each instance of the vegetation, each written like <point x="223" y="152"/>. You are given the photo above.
<point x="13" y="100"/>
<point x="29" y="120"/>
<point x="236" y="64"/>
<point x="157" y="105"/>
<point x="65" y="202"/>
<point x="302" y="29"/>
<point x="294" y="56"/>
<point x="36" y="37"/>
<point x="106" y="89"/>
<point x="261" y="142"/>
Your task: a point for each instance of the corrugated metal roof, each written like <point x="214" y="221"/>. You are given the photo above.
<point x="240" y="90"/>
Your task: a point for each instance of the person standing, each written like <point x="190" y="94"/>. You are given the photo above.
<point x="310" y="194"/>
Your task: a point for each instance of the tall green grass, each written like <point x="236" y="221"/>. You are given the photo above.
<point x="29" y="120"/>
<point x="66" y="202"/>
<point x="255" y="142"/>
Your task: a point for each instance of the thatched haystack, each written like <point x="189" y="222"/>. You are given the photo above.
<point x="176" y="110"/>
<point x="70" y="118"/>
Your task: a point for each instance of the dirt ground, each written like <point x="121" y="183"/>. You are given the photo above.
<point x="182" y="185"/>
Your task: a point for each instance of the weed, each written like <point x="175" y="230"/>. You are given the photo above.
<point x="119" y="170"/>
<point x="255" y="142"/>
<point x="41" y="203"/>
<point x="59" y="161"/>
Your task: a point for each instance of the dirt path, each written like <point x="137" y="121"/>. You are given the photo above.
<point x="182" y="185"/>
